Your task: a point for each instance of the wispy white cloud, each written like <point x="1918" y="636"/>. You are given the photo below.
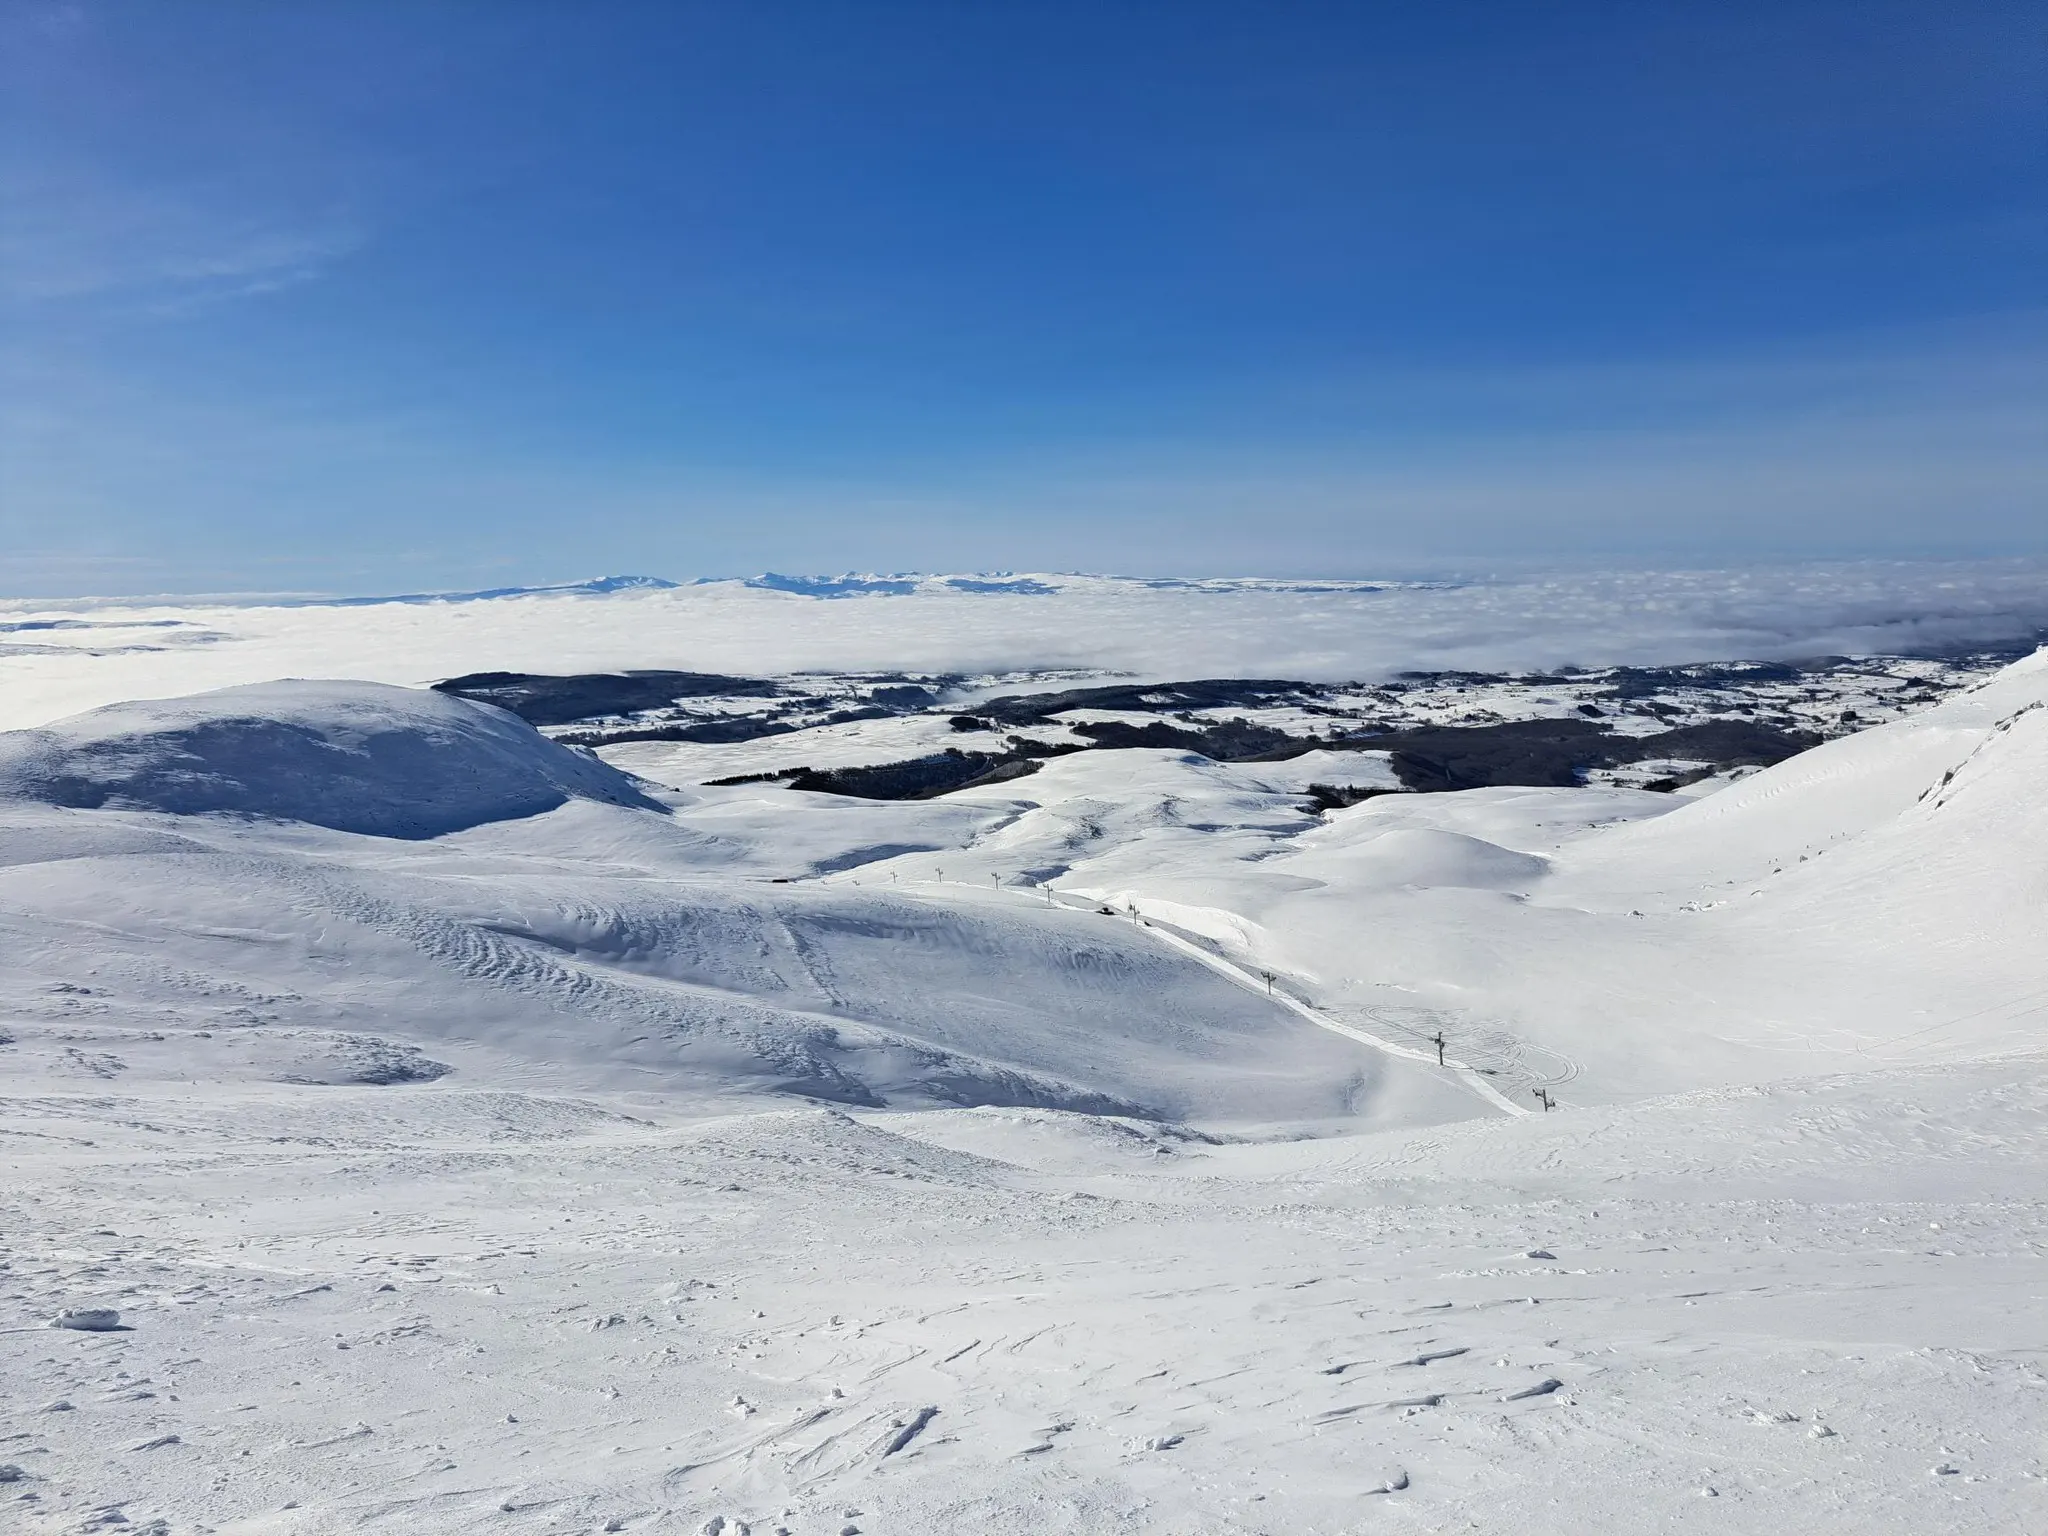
<point x="73" y="232"/>
<point x="119" y="181"/>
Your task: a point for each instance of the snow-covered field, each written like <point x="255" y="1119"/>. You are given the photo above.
<point x="473" y="1137"/>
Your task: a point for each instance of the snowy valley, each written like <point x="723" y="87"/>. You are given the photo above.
<point x="484" y="1119"/>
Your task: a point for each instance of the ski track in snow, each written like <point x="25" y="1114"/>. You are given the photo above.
<point x="1464" y="1071"/>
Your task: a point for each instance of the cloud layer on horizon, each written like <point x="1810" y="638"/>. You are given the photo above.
<point x="1534" y="621"/>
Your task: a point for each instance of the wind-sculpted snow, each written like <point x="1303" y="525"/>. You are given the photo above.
<point x="435" y="1310"/>
<point x="357" y="757"/>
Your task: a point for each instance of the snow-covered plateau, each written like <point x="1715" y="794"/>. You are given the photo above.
<point x="447" y="1109"/>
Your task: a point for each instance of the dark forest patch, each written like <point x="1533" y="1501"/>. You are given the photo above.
<point x="920" y="778"/>
<point x="541" y="699"/>
<point x="1558" y="752"/>
<point x="1434" y="758"/>
<point x="1227" y="741"/>
<point x="1147" y="698"/>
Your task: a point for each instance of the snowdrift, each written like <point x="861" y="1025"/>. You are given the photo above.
<point x="356" y="757"/>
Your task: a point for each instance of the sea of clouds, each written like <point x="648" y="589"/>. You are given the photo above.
<point x="59" y="657"/>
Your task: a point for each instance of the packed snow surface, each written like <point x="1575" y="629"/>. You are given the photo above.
<point x="470" y="1137"/>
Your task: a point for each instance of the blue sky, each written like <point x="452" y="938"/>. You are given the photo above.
<point x="362" y="296"/>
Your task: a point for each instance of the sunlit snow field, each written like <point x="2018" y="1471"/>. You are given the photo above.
<point x="478" y="1134"/>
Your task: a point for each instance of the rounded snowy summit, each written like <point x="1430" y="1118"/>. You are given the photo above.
<point x="353" y="756"/>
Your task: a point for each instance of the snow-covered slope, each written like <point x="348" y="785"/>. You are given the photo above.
<point x="434" y="1308"/>
<point x="1835" y="793"/>
<point x="1878" y="899"/>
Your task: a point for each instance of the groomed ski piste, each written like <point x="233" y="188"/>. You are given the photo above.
<point x="431" y="1127"/>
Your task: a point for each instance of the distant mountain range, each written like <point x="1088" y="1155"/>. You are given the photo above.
<point x="880" y="584"/>
<point x="903" y="583"/>
<point x="598" y="586"/>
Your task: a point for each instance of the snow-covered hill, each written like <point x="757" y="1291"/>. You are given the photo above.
<point x="474" y="1138"/>
<point x="357" y="757"/>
